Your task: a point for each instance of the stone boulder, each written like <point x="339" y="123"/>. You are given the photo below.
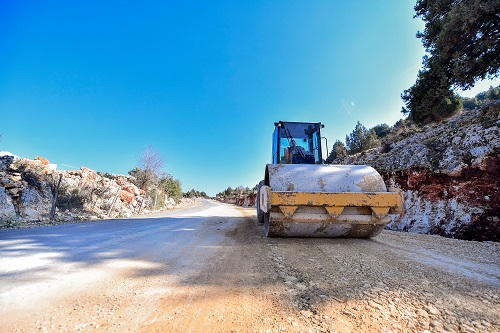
<point x="126" y="196"/>
<point x="131" y="188"/>
<point x="43" y="160"/>
<point x="88" y="175"/>
<point x="35" y="203"/>
<point x="7" y="209"/>
<point x="6" y="160"/>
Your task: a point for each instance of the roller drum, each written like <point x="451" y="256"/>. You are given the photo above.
<point x="323" y="178"/>
<point x="313" y="221"/>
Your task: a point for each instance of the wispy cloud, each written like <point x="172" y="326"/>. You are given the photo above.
<point x="348" y="106"/>
<point x="69" y="166"/>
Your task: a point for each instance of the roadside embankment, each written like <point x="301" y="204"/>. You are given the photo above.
<point x="450" y="174"/>
<point x="28" y="188"/>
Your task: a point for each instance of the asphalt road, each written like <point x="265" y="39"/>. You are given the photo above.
<point x="209" y="268"/>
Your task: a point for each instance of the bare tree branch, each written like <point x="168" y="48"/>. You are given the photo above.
<point x="151" y="160"/>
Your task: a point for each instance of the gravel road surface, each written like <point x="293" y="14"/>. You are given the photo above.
<point x="209" y="268"/>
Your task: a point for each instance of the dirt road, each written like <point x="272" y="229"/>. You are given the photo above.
<point x="210" y="269"/>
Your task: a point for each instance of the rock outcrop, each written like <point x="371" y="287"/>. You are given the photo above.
<point x="27" y="190"/>
<point x="450" y="174"/>
<point x="244" y="200"/>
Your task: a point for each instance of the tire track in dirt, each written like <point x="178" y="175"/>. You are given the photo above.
<point x="361" y="285"/>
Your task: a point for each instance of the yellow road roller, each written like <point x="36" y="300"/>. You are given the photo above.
<point x="302" y="197"/>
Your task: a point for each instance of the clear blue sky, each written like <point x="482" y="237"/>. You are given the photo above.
<point x="92" y="83"/>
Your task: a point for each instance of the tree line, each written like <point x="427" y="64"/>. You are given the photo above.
<point x="362" y="139"/>
<point x="485" y="97"/>
<point x="195" y="194"/>
<point x="239" y="191"/>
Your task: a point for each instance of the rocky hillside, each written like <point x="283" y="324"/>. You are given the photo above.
<point x="450" y="174"/>
<point x="28" y="188"/>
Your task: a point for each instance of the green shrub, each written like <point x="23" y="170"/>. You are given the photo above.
<point x="74" y="198"/>
<point x="338" y="150"/>
<point x="361" y="139"/>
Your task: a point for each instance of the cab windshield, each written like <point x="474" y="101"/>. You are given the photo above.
<point x="298" y="143"/>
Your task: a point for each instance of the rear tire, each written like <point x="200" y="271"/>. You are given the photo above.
<point x="260" y="214"/>
<point x="266" y="225"/>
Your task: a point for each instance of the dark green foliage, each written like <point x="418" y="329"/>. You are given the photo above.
<point x="430" y="99"/>
<point x="339" y="150"/>
<point x="195" y="194"/>
<point x="237" y="192"/>
<point x="241" y="190"/>
<point x="82" y="197"/>
<point x="382" y="130"/>
<point x="492" y="94"/>
<point x="361" y="139"/>
<point x="353" y="140"/>
<point x="228" y="191"/>
<point x="464" y="36"/>
<point x="107" y="175"/>
<point x="462" y="39"/>
<point x="73" y="198"/>
<point x="485" y="97"/>
<point x="158" y="185"/>
<point x="143" y="179"/>
<point x="470" y="103"/>
<point x="170" y="187"/>
<point x="403" y="128"/>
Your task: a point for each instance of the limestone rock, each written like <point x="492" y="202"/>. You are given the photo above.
<point x="27" y="186"/>
<point x="131" y="188"/>
<point x="7" y="209"/>
<point x="450" y="174"/>
<point x="126" y="196"/>
<point x="34" y="203"/>
<point x="43" y="160"/>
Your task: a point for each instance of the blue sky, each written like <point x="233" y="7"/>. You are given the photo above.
<point x="93" y="83"/>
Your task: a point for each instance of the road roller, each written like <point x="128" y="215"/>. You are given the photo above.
<point x="302" y="197"/>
